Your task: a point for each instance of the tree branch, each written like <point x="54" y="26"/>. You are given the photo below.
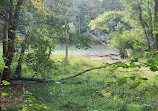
<point x="30" y="79"/>
<point x="91" y="70"/>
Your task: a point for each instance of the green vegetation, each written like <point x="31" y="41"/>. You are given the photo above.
<point x="35" y="76"/>
<point x="90" y="91"/>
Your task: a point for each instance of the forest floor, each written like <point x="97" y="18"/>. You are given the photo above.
<point x="88" y="92"/>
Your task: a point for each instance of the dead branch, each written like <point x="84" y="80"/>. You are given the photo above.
<point x="30" y="79"/>
<point x="78" y="74"/>
<point x="91" y="70"/>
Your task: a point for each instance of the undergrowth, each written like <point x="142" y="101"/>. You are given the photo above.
<point x="88" y="92"/>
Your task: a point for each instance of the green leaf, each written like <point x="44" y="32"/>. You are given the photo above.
<point x="24" y="109"/>
<point x="145" y="54"/>
<point x="138" y="44"/>
<point x="6" y="83"/>
<point x="135" y="55"/>
<point x="3" y="66"/>
<point x="5" y="94"/>
<point x="6" y="67"/>
<point x="134" y="60"/>
<point x="112" y="70"/>
<point x="153" y="68"/>
<point x="122" y="81"/>
<point x="4" y="109"/>
<point x="122" y="65"/>
<point x="132" y="78"/>
<point x="133" y="65"/>
<point x="152" y="51"/>
<point x="13" y="31"/>
<point x="144" y="79"/>
<point x="142" y="45"/>
<point x="151" y="61"/>
<point x="134" y="85"/>
<point x="156" y="59"/>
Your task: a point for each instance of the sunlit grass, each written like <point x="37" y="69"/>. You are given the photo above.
<point x="90" y="90"/>
<point x="75" y="64"/>
<point x="122" y="93"/>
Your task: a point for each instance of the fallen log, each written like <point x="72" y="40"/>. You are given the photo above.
<point x="91" y="70"/>
<point x="30" y="79"/>
<point x="78" y="74"/>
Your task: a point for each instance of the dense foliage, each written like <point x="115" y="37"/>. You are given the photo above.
<point x="138" y="16"/>
<point x="30" y="30"/>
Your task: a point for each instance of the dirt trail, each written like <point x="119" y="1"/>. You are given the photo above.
<point x="106" y="57"/>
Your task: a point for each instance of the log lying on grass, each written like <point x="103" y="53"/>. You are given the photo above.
<point x="31" y="79"/>
<point x="43" y="81"/>
<point x="91" y="70"/>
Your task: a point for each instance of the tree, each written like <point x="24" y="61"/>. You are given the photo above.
<point x="143" y="25"/>
<point x="11" y="18"/>
<point x="78" y="16"/>
<point x="111" y="5"/>
<point x="140" y="13"/>
<point x="103" y="6"/>
<point x="41" y="38"/>
<point x="156" y="22"/>
<point x="30" y="25"/>
<point x="67" y="32"/>
<point x="105" y="24"/>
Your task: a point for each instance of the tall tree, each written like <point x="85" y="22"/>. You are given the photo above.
<point x="143" y="25"/>
<point x="156" y="22"/>
<point x="67" y="32"/>
<point x="11" y="19"/>
<point x="140" y="15"/>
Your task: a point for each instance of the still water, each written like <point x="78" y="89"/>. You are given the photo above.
<point x="94" y="50"/>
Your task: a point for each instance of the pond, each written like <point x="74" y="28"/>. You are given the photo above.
<point x="94" y="50"/>
<point x="99" y="52"/>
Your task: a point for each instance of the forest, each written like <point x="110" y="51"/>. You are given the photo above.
<point x="78" y="55"/>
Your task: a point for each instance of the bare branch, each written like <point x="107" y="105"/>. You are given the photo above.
<point x="91" y="70"/>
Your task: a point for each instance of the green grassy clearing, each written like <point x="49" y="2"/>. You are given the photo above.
<point x="89" y="91"/>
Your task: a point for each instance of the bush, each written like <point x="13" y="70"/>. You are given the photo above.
<point x="125" y="41"/>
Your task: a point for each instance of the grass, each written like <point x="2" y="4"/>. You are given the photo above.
<point x="88" y="92"/>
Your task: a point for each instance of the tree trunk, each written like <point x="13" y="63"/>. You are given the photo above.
<point x="23" y="48"/>
<point x="11" y="37"/>
<point x="79" y="19"/>
<point x="7" y="60"/>
<point x="143" y="26"/>
<point x="156" y="22"/>
<point x="18" y="68"/>
<point x="67" y="46"/>
<point x="5" y="39"/>
<point x="5" y="35"/>
<point x="67" y="34"/>
<point x="151" y="25"/>
<point x="30" y="79"/>
<point x="79" y="25"/>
